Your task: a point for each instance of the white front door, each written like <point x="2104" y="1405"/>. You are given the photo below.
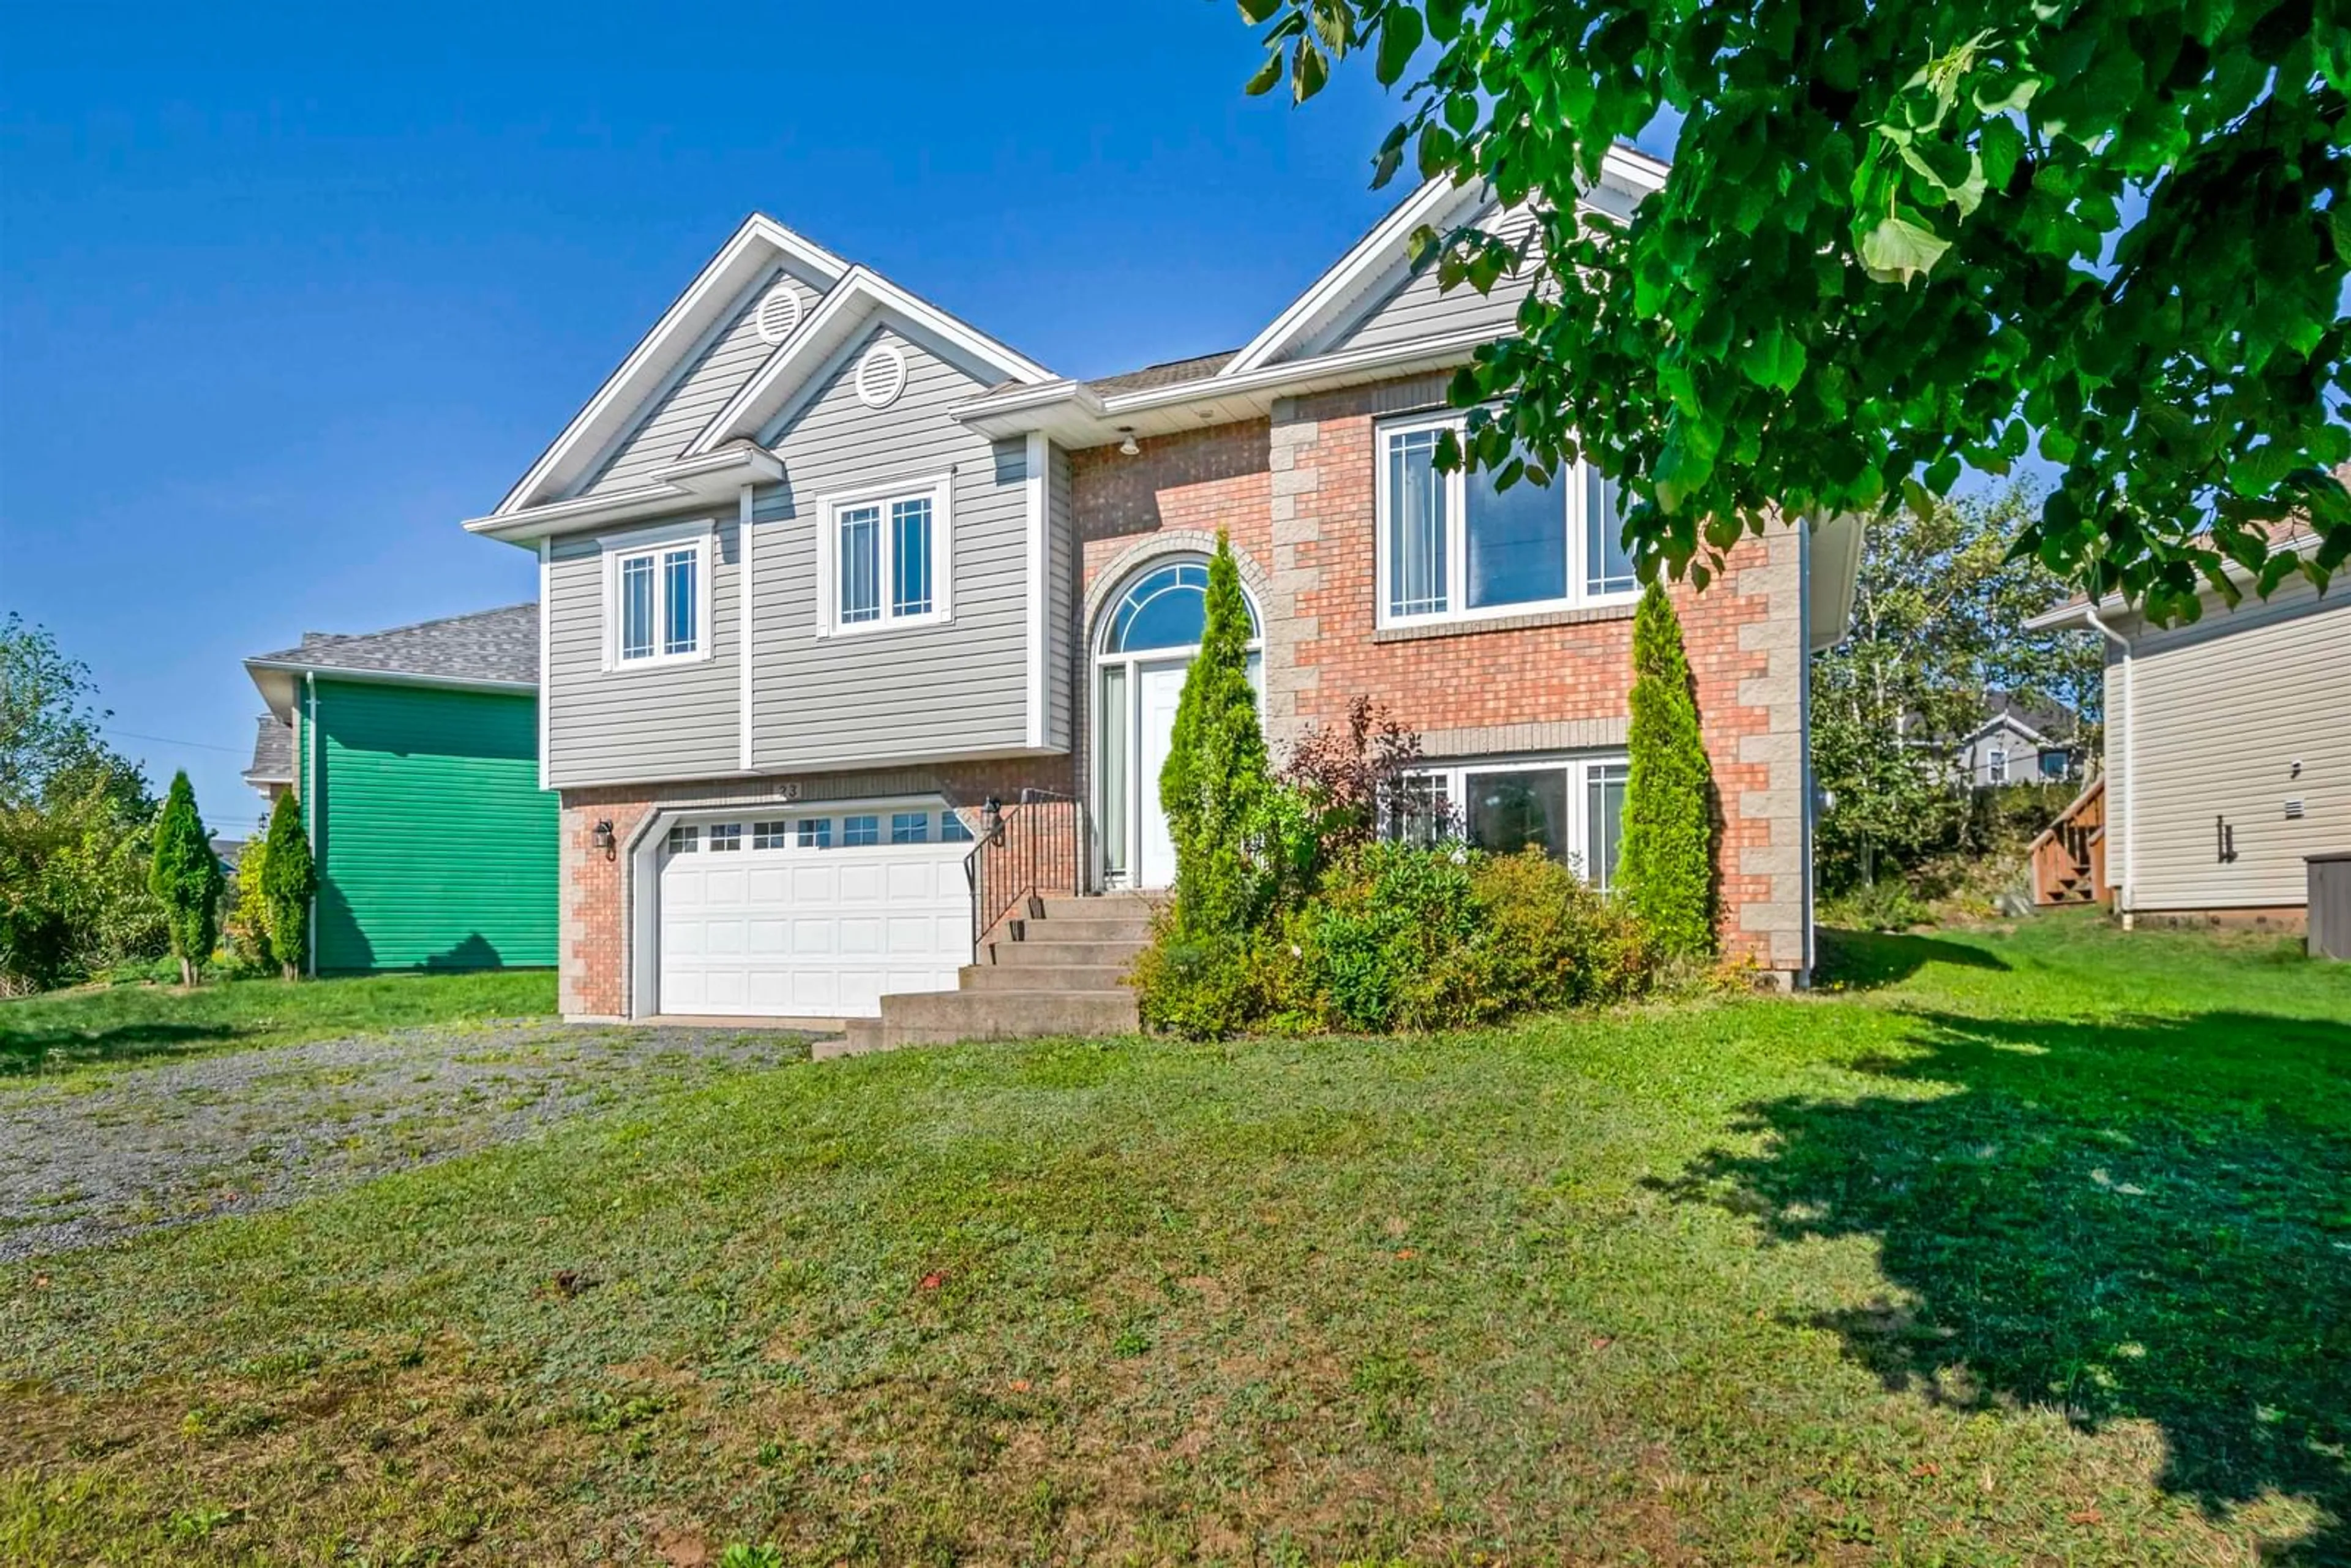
<point x="1158" y="688"/>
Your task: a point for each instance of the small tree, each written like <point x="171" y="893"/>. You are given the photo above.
<point x="289" y="878"/>
<point x="1666" y="864"/>
<point x="185" y="877"/>
<point x="246" y="929"/>
<point x="1215" y="767"/>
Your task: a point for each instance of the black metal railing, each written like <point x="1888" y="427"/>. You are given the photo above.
<point x="1031" y="847"/>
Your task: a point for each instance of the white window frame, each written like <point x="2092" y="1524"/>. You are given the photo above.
<point x="1573" y="481"/>
<point x="1577" y="766"/>
<point x="939" y="491"/>
<point x="699" y="535"/>
<point x="1996" y="764"/>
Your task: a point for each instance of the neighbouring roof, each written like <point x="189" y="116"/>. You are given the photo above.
<point x="2047" y="720"/>
<point x="1168" y="373"/>
<point x="273" y="751"/>
<point x="489" y="645"/>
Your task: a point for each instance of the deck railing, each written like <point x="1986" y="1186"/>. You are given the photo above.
<point x="1030" y="848"/>
<point x="2069" y="857"/>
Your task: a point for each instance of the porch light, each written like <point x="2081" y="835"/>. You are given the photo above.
<point x="1126" y="446"/>
<point x="603" y="837"/>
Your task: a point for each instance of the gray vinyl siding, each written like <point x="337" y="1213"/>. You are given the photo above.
<point x="1062" y="604"/>
<point x="675" y="418"/>
<point x="2224" y="710"/>
<point x="1419" y="308"/>
<point x="668" y="721"/>
<point x="873" y="698"/>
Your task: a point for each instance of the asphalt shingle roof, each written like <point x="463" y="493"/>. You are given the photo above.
<point x="273" y="751"/>
<point x="1167" y="374"/>
<point x="488" y="645"/>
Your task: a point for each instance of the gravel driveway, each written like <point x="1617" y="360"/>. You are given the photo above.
<point x="256" y="1129"/>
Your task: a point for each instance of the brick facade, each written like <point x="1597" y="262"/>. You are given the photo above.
<point x="1296" y="495"/>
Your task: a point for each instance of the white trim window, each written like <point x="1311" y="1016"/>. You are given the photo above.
<point x="657" y="593"/>
<point x="1451" y="546"/>
<point x="1571" y="808"/>
<point x="885" y="558"/>
<point x="1996" y="768"/>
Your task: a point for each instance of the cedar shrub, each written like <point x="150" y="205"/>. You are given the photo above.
<point x="1666" y="864"/>
<point x="1214" y="778"/>
<point x="185" y="877"/>
<point x="289" y="878"/>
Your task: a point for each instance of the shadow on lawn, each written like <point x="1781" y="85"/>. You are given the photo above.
<point x="1865" y="960"/>
<point x="27" y="1051"/>
<point x="2149" y="1219"/>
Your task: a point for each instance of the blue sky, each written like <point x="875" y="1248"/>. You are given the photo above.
<point x="285" y="294"/>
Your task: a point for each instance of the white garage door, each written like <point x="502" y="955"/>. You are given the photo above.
<point x="814" y="915"/>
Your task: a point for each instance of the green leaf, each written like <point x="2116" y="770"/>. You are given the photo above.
<point x="1400" y="34"/>
<point x="1999" y="150"/>
<point x="1445" y="19"/>
<point x="2338" y="228"/>
<point x="1899" y="250"/>
<point x="1254" y="12"/>
<point x="1267" y="74"/>
<point x="1774" y="359"/>
<point x="1308" y="72"/>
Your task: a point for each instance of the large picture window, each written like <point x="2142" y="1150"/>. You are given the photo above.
<point x="657" y="596"/>
<point x="885" y="558"/>
<point x="1454" y="547"/>
<point x="1571" y="809"/>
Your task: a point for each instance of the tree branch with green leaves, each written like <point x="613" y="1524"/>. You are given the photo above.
<point x="1899" y="241"/>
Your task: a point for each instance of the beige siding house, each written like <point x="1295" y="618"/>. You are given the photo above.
<point x="2228" y="753"/>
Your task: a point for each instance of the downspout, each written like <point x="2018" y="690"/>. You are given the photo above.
<point x="2130" y="767"/>
<point x="310" y="801"/>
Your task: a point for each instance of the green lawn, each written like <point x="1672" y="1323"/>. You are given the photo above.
<point x="96" y="1028"/>
<point x="2030" y="1249"/>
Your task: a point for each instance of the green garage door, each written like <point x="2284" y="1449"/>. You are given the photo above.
<point x="436" y="846"/>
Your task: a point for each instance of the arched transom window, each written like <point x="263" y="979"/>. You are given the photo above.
<point x="1166" y="607"/>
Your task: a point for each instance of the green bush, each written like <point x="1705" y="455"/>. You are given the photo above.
<point x="289" y="878"/>
<point x="1406" y="937"/>
<point x="245" y="929"/>
<point x="185" y="877"/>
<point x="1214" y="782"/>
<point x="1666" y="864"/>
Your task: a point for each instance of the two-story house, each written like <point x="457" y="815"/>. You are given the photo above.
<point x="832" y="577"/>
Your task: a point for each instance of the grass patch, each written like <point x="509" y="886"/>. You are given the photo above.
<point x="101" y="1027"/>
<point x="2028" y="1248"/>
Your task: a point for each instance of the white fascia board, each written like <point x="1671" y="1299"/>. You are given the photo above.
<point x="861" y="293"/>
<point x="386" y="677"/>
<point x="2076" y="615"/>
<point x="751" y="250"/>
<point x="1077" y="418"/>
<point x="1386" y="249"/>
<point x="694" y="480"/>
<point x="1371" y="254"/>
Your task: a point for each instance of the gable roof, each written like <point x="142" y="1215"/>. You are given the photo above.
<point x="493" y="649"/>
<point x="754" y="251"/>
<point x="1383" y="257"/>
<point x="861" y="297"/>
<point x="273" y="752"/>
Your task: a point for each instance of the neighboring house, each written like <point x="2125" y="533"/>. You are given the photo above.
<point x="272" y="769"/>
<point x="2228" y="752"/>
<point x="827" y="570"/>
<point x="2017" y="743"/>
<point x="415" y="754"/>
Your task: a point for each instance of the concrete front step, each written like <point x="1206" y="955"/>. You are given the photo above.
<point x="1101" y="906"/>
<point x="1135" y="929"/>
<point x="1040" y="958"/>
<point x="1033" y="977"/>
<point x="943" y="1018"/>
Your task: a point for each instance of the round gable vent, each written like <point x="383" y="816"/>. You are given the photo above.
<point x="881" y="376"/>
<point x="778" y="314"/>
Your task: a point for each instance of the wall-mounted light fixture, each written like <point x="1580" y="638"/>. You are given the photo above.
<point x="1126" y="446"/>
<point x="604" y="841"/>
